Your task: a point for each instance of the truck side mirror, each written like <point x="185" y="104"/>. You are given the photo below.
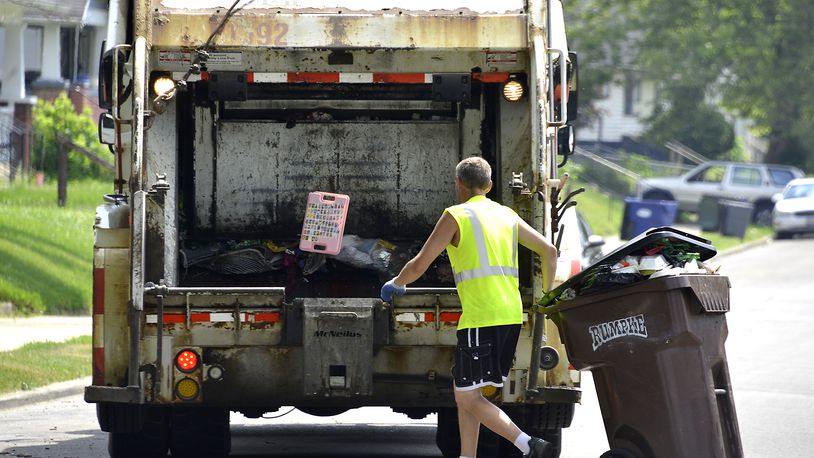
<point x="573" y="87"/>
<point x="107" y="129"/>
<point x="106" y="83"/>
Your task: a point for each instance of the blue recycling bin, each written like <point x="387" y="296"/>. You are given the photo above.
<point x="640" y="215"/>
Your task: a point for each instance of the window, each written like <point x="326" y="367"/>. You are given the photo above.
<point x="780" y="177"/>
<point x="746" y="176"/>
<point x="632" y="93"/>
<point x="712" y="174"/>
<point x="800" y="190"/>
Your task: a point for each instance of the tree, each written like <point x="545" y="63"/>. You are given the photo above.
<point x="59" y="117"/>
<point x="751" y="58"/>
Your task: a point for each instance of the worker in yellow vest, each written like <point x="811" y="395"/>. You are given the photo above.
<point x="481" y="237"/>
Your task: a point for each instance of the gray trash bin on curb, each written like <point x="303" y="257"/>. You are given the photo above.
<point x="735" y="217"/>
<point x="709" y="213"/>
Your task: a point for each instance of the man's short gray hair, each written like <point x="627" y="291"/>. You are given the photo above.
<point x="474" y="172"/>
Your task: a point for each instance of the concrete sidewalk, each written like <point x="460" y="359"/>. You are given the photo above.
<point x="16" y="332"/>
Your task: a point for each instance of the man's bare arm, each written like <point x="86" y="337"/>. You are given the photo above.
<point x="445" y="230"/>
<point x="537" y="243"/>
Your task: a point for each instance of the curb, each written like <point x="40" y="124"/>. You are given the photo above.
<point x="744" y="246"/>
<point x="45" y="393"/>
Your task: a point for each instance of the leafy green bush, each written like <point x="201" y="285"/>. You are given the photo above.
<point x="59" y="117"/>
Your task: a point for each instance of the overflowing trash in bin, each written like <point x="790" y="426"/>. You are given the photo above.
<point x="648" y="321"/>
<point x="656" y="253"/>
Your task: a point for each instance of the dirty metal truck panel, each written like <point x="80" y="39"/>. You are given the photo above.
<point x="461" y="25"/>
<point x="399" y="175"/>
<point x="359" y="6"/>
<point x="275" y="64"/>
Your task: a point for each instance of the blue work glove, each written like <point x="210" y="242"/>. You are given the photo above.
<point x="391" y="289"/>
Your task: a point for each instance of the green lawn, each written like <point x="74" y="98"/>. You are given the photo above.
<point x="47" y="251"/>
<point x="42" y="363"/>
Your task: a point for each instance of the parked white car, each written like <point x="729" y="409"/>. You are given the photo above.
<point x="794" y="209"/>
<point x="755" y="183"/>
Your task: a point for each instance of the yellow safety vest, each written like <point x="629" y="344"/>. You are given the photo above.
<point x="485" y="263"/>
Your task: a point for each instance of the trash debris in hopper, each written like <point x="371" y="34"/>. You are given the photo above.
<point x="375" y="254"/>
<point x="263" y="256"/>
<point x="234" y="258"/>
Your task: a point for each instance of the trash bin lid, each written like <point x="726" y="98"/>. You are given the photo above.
<point x="700" y="245"/>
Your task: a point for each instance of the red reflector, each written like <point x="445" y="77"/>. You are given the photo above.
<point x="446" y="317"/>
<point x="98" y="366"/>
<point x="174" y="318"/>
<point x="187" y="360"/>
<point x="399" y="78"/>
<point x="313" y="77"/>
<point x="268" y="317"/>
<point x="98" y="291"/>
<point x="491" y="77"/>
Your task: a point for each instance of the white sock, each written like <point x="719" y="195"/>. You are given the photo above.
<point x="522" y="442"/>
<point x="466" y="456"/>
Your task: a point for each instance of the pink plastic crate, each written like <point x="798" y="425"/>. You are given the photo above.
<point x="324" y="223"/>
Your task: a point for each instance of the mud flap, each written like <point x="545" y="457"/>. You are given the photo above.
<point x="338" y="347"/>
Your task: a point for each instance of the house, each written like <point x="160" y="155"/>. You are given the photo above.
<point x="46" y="46"/>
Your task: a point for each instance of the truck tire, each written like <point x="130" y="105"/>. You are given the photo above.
<point x="448" y="437"/>
<point x="200" y="432"/>
<point x="151" y="441"/>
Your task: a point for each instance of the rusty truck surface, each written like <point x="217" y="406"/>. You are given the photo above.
<point x="222" y="117"/>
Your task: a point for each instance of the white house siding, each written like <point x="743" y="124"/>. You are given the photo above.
<point x="612" y="124"/>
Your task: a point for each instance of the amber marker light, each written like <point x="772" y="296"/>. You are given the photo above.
<point x="186" y="361"/>
<point x="513" y="91"/>
<point x="186" y="389"/>
<point x="163" y="85"/>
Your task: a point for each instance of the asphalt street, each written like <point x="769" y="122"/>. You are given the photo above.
<point x="769" y="351"/>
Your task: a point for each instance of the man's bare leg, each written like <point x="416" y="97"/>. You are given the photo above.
<point x="470" y="429"/>
<point x="479" y="410"/>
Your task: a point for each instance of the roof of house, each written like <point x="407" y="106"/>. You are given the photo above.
<point x="63" y="11"/>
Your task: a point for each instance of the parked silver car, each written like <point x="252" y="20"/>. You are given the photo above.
<point x="794" y="209"/>
<point x="755" y="183"/>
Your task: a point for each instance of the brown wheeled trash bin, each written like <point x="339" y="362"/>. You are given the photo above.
<point x="656" y="351"/>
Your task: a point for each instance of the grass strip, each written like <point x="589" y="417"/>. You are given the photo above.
<point x="47" y="251"/>
<point x="38" y="364"/>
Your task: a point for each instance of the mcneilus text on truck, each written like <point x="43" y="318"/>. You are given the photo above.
<point x="222" y="117"/>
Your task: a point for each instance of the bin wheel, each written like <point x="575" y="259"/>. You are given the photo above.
<point x="618" y="453"/>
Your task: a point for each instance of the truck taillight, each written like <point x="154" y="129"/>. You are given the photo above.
<point x="187" y="361"/>
<point x="187" y="389"/>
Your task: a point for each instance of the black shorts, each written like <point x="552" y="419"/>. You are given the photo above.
<point x="484" y="356"/>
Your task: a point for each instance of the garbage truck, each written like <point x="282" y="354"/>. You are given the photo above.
<point x="222" y="118"/>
